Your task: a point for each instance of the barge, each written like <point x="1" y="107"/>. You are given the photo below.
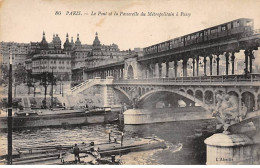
<point x="59" y="117"/>
<point x="90" y="153"/>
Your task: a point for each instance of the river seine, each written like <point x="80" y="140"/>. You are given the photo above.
<point x="185" y="140"/>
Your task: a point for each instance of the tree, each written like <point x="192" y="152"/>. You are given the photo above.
<point x="30" y="82"/>
<point x="46" y="79"/>
<point x="66" y="77"/>
<point x="5" y="74"/>
<point x="19" y="76"/>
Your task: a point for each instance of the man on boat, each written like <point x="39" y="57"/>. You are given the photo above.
<point x="76" y="153"/>
<point x="122" y="138"/>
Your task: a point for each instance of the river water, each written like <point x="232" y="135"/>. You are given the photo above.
<point x="185" y="140"/>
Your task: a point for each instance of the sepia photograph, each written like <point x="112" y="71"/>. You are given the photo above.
<point x="133" y="82"/>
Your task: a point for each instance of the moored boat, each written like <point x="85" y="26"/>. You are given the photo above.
<point x="90" y="153"/>
<point x="58" y="117"/>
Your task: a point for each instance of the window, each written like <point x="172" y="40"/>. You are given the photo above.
<point x="213" y="31"/>
<point x="229" y="26"/>
<point x="223" y="28"/>
<point x="237" y="25"/>
<point x="249" y="23"/>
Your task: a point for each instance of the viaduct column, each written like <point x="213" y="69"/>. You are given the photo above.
<point x="256" y="102"/>
<point x="227" y="62"/>
<point x="210" y="64"/>
<point x="205" y="65"/>
<point x="152" y="65"/>
<point x="193" y="66"/>
<point x="175" y="68"/>
<point x="240" y="103"/>
<point x="197" y="60"/>
<point x="251" y="56"/>
<point x="122" y="72"/>
<point x="246" y="61"/>
<point x="167" y="69"/>
<point x="217" y="59"/>
<point x="160" y="69"/>
<point x="184" y="67"/>
<point x="233" y="63"/>
<point x="116" y="73"/>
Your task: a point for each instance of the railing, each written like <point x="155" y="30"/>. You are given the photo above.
<point x="79" y="85"/>
<point x="198" y="79"/>
<point x="256" y="31"/>
<point x="87" y="83"/>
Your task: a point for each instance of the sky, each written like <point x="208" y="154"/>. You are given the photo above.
<point x="25" y="20"/>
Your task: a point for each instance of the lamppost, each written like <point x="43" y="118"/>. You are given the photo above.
<point x="15" y="75"/>
<point x="52" y="82"/>
<point x="10" y="119"/>
<point x="61" y="85"/>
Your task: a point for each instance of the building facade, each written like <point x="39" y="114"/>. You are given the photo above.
<point x="19" y="52"/>
<point x="50" y="57"/>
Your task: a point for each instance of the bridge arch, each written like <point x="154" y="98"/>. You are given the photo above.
<point x="248" y="99"/>
<point x="182" y="90"/>
<point x="233" y="93"/>
<point x="190" y="92"/>
<point x="123" y="91"/>
<point x="139" y="91"/>
<point x="143" y="90"/>
<point x="248" y="90"/>
<point x="199" y="94"/>
<point x="209" y="97"/>
<point x="192" y="98"/>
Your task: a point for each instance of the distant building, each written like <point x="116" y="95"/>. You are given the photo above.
<point x="104" y="54"/>
<point x="18" y="50"/>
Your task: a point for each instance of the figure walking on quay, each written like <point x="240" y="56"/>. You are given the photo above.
<point x="76" y="153"/>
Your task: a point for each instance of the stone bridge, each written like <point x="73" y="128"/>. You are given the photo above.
<point x="199" y="91"/>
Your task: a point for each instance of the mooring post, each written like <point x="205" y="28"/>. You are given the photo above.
<point x="109" y="136"/>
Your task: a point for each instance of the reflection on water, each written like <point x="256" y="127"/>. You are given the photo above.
<point x="184" y="140"/>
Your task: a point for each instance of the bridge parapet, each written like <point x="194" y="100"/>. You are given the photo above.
<point x="252" y="79"/>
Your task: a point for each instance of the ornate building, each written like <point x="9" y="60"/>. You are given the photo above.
<point x="104" y="54"/>
<point x="50" y="57"/>
<point x="97" y="54"/>
<point x="64" y="60"/>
